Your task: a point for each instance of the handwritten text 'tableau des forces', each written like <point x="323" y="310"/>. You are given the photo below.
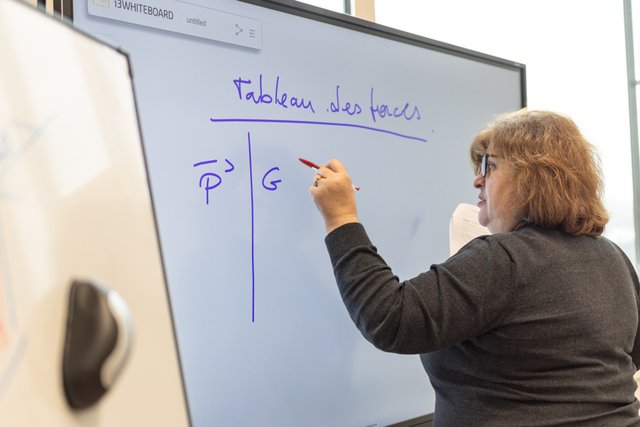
<point x="272" y="92"/>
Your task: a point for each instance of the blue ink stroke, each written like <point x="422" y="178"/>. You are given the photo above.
<point x="12" y="151"/>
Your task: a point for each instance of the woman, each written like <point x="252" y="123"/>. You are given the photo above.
<point x="536" y="324"/>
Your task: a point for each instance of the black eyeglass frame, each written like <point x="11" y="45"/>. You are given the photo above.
<point x="483" y="164"/>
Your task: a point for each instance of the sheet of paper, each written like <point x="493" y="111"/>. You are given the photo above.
<point x="464" y="226"/>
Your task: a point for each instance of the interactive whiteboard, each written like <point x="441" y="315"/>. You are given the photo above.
<point x="75" y="205"/>
<point x="231" y="94"/>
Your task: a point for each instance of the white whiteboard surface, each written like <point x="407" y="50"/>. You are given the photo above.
<point x="74" y="204"/>
<point x="264" y="337"/>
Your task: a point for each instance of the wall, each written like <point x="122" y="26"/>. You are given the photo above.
<point x="575" y="56"/>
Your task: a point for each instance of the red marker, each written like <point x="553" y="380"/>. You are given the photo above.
<point x="316" y="167"/>
<point x="309" y="163"/>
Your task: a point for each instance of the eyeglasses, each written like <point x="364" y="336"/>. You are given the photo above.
<point x="483" y="164"/>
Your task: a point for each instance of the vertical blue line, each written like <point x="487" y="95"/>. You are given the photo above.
<point x="253" y="261"/>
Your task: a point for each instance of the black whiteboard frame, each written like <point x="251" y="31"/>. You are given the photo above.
<point x="352" y="23"/>
<point x="326" y="16"/>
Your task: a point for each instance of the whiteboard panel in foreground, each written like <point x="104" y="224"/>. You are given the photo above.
<point x="74" y="204"/>
<point x="231" y="94"/>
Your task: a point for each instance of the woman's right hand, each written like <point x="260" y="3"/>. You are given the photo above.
<point x="333" y="194"/>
